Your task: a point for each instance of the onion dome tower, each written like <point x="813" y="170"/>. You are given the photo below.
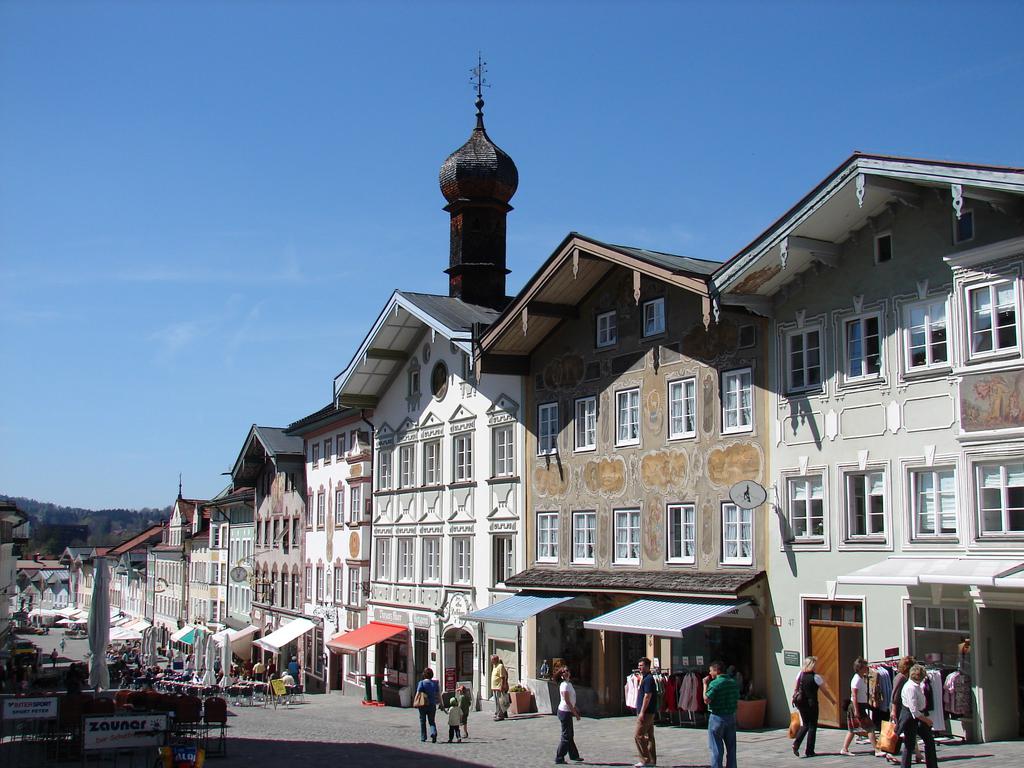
<point x="478" y="179"/>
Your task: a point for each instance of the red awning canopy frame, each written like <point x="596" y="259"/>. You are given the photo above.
<point x="358" y="639"/>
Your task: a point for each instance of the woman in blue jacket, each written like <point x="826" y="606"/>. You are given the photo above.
<point x="429" y="688"/>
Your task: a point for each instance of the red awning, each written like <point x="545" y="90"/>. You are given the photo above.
<point x="371" y="634"/>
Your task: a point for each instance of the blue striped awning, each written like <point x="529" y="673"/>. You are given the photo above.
<point x="666" y="618"/>
<point x="515" y="609"/>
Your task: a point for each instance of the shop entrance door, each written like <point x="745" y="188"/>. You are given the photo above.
<point x="835" y="636"/>
<point x="420" y="651"/>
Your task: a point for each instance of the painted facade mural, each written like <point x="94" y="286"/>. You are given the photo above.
<point x="992" y="401"/>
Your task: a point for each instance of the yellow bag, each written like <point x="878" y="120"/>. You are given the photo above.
<point x="888" y="739"/>
<point x="794" y="724"/>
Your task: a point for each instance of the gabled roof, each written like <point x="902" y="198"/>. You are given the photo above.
<point x="572" y="271"/>
<point x="393" y="339"/>
<point x="262" y="443"/>
<point x="151" y="535"/>
<point x="861" y="188"/>
<point x="327" y="416"/>
<point x="187" y="508"/>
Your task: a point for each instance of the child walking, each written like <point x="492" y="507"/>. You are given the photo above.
<point x="454" y="721"/>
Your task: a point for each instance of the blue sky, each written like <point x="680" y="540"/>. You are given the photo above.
<point x="203" y="205"/>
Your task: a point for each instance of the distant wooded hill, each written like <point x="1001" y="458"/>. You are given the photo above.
<point x="55" y="527"/>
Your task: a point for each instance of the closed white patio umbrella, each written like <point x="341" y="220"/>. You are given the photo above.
<point x="99" y="626"/>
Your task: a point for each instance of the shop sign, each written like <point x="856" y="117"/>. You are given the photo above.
<point x="35" y="708"/>
<point x="791" y="658"/>
<point x="421" y="621"/>
<point x="449" y="678"/>
<point x="391" y="617"/>
<point x="128" y="731"/>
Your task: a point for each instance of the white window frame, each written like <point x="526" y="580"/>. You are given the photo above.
<point x="733" y="530"/>
<point x="863" y="476"/>
<point x="992" y="287"/>
<point x="321" y="509"/>
<point x="462" y="559"/>
<point x="432" y="462"/>
<point x="935" y="495"/>
<point x="737" y="413"/>
<point x="803" y="334"/>
<point x="585" y="424"/>
<point x="654" y="317"/>
<point x="406" y="466"/>
<point x="849" y="374"/>
<point x="339" y="505"/>
<point x="384" y="469"/>
<point x="807" y="484"/>
<point x="547" y="429"/>
<point x="684" y="393"/>
<point x="628" y="399"/>
<point x="607" y="336"/>
<point x="929" y="328"/>
<point x="462" y="457"/>
<point x="629" y="552"/>
<point x="503" y="451"/>
<point x="383" y="555"/>
<point x="355" y="586"/>
<point x="339" y="585"/>
<point x="584" y="536"/>
<point x="355" y="503"/>
<point x="1004" y="509"/>
<point x="406" y="559"/>
<point x="687" y="526"/>
<point x="431" y="559"/>
<point x="547" y="537"/>
<point x="503" y="558"/>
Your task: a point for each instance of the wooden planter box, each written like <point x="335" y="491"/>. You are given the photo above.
<point x="520" y="702"/>
<point x="750" y="713"/>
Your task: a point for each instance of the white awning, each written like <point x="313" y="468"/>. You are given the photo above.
<point x="665" y="618"/>
<point x="235" y="636"/>
<point x="291" y="631"/>
<point x="515" y="609"/>
<point x="964" y="571"/>
<point x="139" y="625"/>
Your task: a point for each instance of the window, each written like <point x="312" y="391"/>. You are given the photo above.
<point x="547" y="537"/>
<point x="627" y="417"/>
<point x="339" y="588"/>
<point x="355" y="510"/>
<point x="462" y="447"/>
<point x="355" y="586"/>
<point x="682" y="533"/>
<point x="934" y="502"/>
<point x="406" y="467"/>
<point x="737" y="401"/>
<point x="431" y="560"/>
<point x="1001" y="498"/>
<point x="432" y="462"/>
<point x="439" y="381"/>
<point x="654" y="317"/>
<point x="607" y="329"/>
<point x="938" y="632"/>
<point x="925" y="334"/>
<point x="737" y="535"/>
<point x="321" y="503"/>
<point x="384" y="470"/>
<point x="316" y="455"/>
<point x="863" y="347"/>
<point x="807" y="507"/>
<point x="215" y="536"/>
<point x="627" y="536"/>
<point x="585" y="424"/>
<point x="414" y="381"/>
<point x="682" y="406"/>
<point x="339" y="443"/>
<point x="319" y="583"/>
<point x="339" y="506"/>
<point x="327" y="450"/>
<point x="406" y="548"/>
<point x="865" y="504"/>
<point x="584" y="535"/>
<point x="883" y="248"/>
<point x="504" y="558"/>
<point x="383" y="559"/>
<point x="963" y="228"/>
<point x="993" y="318"/>
<point x="309" y="581"/>
<point x="462" y="559"/>
<point x="803" y="359"/>
<point x="547" y="428"/>
<point x="503" y="453"/>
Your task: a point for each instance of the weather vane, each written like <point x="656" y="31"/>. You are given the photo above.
<point x="479" y="80"/>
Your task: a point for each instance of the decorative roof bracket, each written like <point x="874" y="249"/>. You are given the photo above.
<point x="526" y="319"/>
<point x="636" y="287"/>
<point x="958" y="199"/>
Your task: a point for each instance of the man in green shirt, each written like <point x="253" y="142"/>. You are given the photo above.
<point x="721" y="694"/>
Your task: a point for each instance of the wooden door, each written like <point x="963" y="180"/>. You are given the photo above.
<point x="825" y="645"/>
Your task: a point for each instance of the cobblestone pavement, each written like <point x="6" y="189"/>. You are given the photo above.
<point x="337" y="730"/>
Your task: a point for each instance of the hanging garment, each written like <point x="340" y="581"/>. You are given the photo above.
<point x="632" y="686"/>
<point x="885" y="688"/>
<point x="672" y="693"/>
<point x="938" y="713"/>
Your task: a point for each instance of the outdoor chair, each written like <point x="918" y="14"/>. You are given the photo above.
<point x="215" y="717"/>
<point x="296" y="693"/>
<point x="188" y="712"/>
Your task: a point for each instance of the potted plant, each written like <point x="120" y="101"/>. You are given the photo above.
<point x="750" y="712"/>
<point x="520" y="700"/>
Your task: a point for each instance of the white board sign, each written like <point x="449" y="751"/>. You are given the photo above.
<point x="35" y="708"/>
<point x="746" y="494"/>
<point x="126" y="731"/>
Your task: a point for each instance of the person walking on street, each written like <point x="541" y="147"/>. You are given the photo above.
<point x="429" y="688"/>
<point x="643" y="734"/>
<point x="499" y="687"/>
<point x="465" y="702"/>
<point x="566" y="712"/>
<point x="863" y="719"/>
<point x="805" y="698"/>
<point x="62" y="642"/>
<point x="454" y="721"/>
<point x="914" y="721"/>
<point x="721" y="694"/>
<point x="53" y="658"/>
<point x="902" y="676"/>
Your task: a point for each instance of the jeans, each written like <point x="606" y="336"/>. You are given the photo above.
<point x="427" y="715"/>
<point x="721" y="739"/>
<point x="808" y="728"/>
<point x="567" y="743"/>
<point x="644" y="738"/>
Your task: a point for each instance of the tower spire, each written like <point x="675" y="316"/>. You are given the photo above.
<point x="179" y="485"/>
<point x="479" y="81"/>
